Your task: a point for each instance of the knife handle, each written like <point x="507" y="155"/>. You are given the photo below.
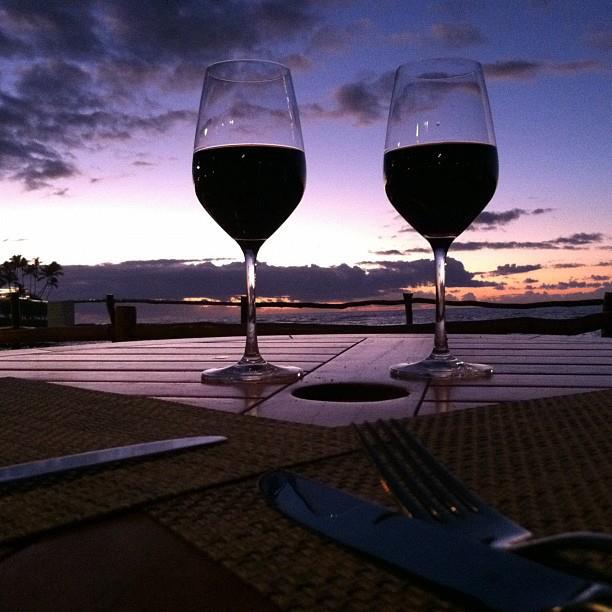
<point x="549" y="551"/>
<point x="597" y="599"/>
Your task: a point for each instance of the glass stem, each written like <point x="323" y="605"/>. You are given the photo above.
<point x="440" y="249"/>
<point x="251" y="349"/>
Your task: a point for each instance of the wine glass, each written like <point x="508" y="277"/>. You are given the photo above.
<point x="249" y="173"/>
<point x="440" y="170"/>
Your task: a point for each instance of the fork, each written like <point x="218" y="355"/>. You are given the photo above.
<point x="426" y="489"/>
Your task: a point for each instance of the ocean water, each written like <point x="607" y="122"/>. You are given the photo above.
<point x="148" y="313"/>
<point x="424" y="315"/>
<point x="151" y="313"/>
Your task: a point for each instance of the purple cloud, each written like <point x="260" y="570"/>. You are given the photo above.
<point x="600" y="37"/>
<point x="563" y="266"/>
<point x="178" y="279"/>
<point x="365" y="100"/>
<point x="89" y="70"/>
<point x="457" y="35"/>
<point x="571" y="284"/>
<point x="574" y="242"/>
<point x="507" y="269"/>
<point x="522" y="69"/>
<point x="490" y="220"/>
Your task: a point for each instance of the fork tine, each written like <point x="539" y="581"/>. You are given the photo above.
<point x="447" y="479"/>
<point x="435" y="495"/>
<point x="383" y="459"/>
<point x="422" y="485"/>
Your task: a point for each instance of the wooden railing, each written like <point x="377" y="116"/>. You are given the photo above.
<point x="123" y="323"/>
<point x="570" y="326"/>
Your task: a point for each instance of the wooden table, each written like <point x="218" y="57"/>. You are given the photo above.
<point x="526" y="367"/>
<point x="176" y="533"/>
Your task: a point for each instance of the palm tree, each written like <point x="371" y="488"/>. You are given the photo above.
<point x="10" y="269"/>
<point x="33" y="271"/>
<point x="50" y="274"/>
<point x="21" y="264"/>
<point x="4" y="275"/>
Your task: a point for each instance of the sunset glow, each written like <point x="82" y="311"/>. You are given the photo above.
<point x="98" y="106"/>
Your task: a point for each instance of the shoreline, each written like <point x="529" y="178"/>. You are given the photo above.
<point x="596" y="323"/>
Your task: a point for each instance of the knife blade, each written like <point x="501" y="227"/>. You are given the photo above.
<point x="500" y="580"/>
<point x="54" y="465"/>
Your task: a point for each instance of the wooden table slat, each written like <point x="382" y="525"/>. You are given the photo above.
<point x="526" y="367"/>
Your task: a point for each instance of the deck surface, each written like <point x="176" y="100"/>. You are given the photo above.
<point x="526" y="367"/>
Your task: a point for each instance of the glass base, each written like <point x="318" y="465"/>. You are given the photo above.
<point x="437" y="368"/>
<point x="259" y="372"/>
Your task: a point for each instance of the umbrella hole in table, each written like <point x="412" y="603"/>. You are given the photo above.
<point x="349" y="392"/>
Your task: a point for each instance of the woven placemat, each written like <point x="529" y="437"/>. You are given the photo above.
<point x="545" y="463"/>
<point x="41" y="420"/>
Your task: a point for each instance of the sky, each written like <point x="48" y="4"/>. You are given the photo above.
<point x="98" y="106"/>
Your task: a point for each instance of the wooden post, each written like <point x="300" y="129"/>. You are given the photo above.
<point x="110" y="307"/>
<point x="408" y="307"/>
<point x="15" y="311"/>
<point x="244" y="309"/>
<point x="125" y="321"/>
<point x="606" y="330"/>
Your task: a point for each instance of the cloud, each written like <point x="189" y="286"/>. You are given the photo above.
<point x="13" y="239"/>
<point x="489" y="220"/>
<point x="297" y="62"/>
<point x="507" y="269"/>
<point x="563" y="266"/>
<point x="453" y="35"/>
<point x="177" y="279"/>
<point x="59" y="29"/>
<point x="60" y="193"/>
<point x="78" y="73"/>
<point x="571" y="284"/>
<point x="58" y="84"/>
<point x="397" y="252"/>
<point x="406" y="38"/>
<point x="333" y="39"/>
<point x="57" y="109"/>
<point x="574" y="242"/>
<point x="30" y="161"/>
<point x="365" y="100"/>
<point x="457" y="35"/>
<point x="524" y="69"/>
<point x="193" y="31"/>
<point x="600" y="37"/>
<point x="580" y="238"/>
<point x="421" y="273"/>
<point x="389" y="253"/>
<point x="10" y="47"/>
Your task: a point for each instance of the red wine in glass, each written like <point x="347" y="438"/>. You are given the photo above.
<point x="249" y="174"/>
<point x="440" y="169"/>
<point x="441" y="188"/>
<point x="249" y="190"/>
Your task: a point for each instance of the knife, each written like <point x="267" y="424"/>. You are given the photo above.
<point x="30" y="469"/>
<point x="498" y="579"/>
